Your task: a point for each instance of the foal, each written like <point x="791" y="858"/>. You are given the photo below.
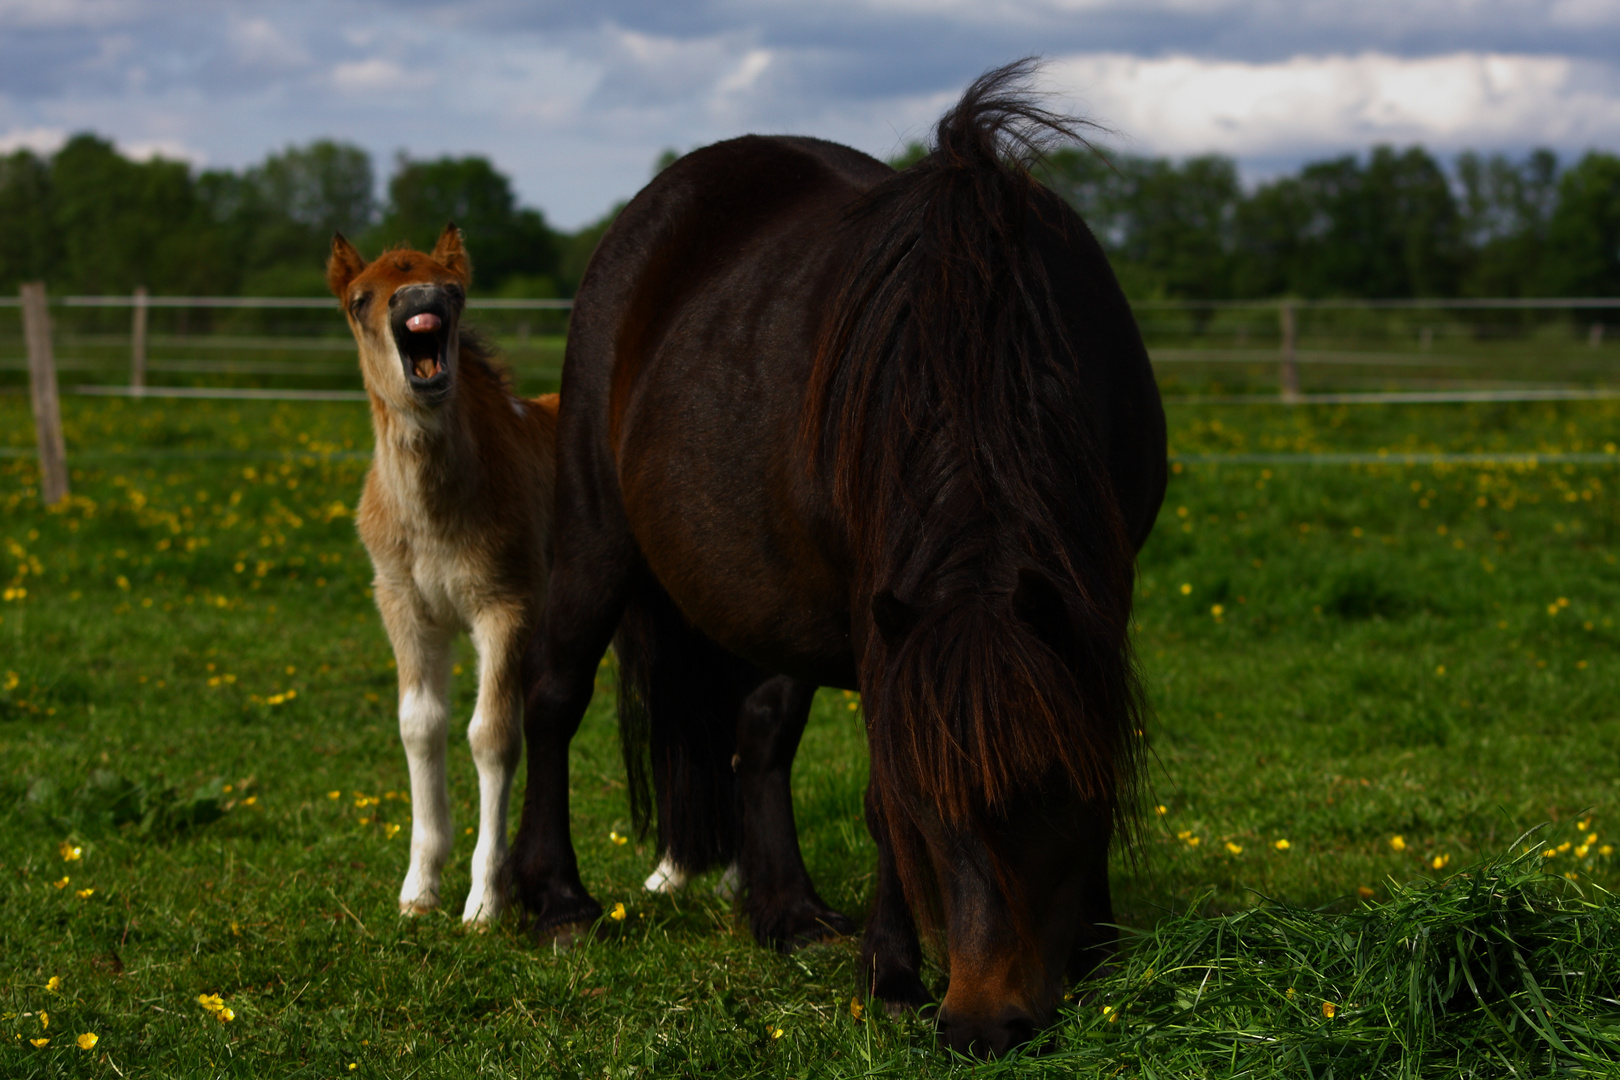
<point x="456" y="514"/>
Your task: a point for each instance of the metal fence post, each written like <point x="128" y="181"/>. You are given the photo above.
<point x="1289" y="373"/>
<point x="137" y="343"/>
<point x="42" y="384"/>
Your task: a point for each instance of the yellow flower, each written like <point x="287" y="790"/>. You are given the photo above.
<point x="1398" y="843"/>
<point x="1234" y="849"/>
<point x="1580" y="826"/>
<point x="1161" y="810"/>
<point x="1111" y="1013"/>
<point x="87" y="1041"/>
<point x="1192" y="841"/>
<point x="84" y="894"/>
<point x="1282" y="845"/>
<point x="1186" y="590"/>
<point x="334" y="794"/>
<point x="1439" y="861"/>
<point x="54" y="983"/>
<point x="251" y="800"/>
<point x="617" y="839"/>
<point x="1328" y="1010"/>
<point x="617" y="914"/>
<point x="1289" y="993"/>
<point x="1572" y="875"/>
<point x="211" y="1002"/>
<point x="39" y="1042"/>
<point x="776" y="1032"/>
<point x="63" y="883"/>
<point x="856" y="1009"/>
<point x="353" y="1065"/>
<point x="44" y="1020"/>
<point x="226" y="1014"/>
<point x="389" y="830"/>
<point x="1591" y="838"/>
<point x="1580" y="852"/>
<point x="1217" y="610"/>
<point x="1364" y="892"/>
<point x="70" y="853"/>
<point x="1606" y="850"/>
<point x="1549" y="853"/>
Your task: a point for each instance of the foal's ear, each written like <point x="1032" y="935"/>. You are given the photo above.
<point x="450" y="254"/>
<point x="343" y="266"/>
<point x="1039" y="605"/>
<point x="893" y="617"/>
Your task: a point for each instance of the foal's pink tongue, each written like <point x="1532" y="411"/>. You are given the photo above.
<point x="422" y="324"/>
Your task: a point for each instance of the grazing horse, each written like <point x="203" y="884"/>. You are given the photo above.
<point x="456" y="514"/>
<point x="888" y="431"/>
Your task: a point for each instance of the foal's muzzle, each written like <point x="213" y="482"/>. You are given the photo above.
<point x="423" y="319"/>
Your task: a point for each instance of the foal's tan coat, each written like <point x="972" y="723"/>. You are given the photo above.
<point x="456" y="514"/>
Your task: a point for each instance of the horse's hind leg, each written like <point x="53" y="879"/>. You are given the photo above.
<point x="422" y="655"/>
<point x="496" y="738"/>
<point x="783" y="907"/>
<point x="891" y="955"/>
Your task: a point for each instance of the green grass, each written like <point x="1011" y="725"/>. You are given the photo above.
<point x="1337" y="656"/>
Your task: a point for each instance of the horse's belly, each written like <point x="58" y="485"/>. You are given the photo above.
<point x="744" y="576"/>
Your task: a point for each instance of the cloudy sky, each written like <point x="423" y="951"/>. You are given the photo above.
<point x="575" y="98"/>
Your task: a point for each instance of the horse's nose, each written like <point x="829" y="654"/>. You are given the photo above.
<point x="985" y="1036"/>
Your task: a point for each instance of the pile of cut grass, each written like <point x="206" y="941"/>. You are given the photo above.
<point x="1502" y="970"/>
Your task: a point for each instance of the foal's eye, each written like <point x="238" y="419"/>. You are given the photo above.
<point x="358" y="303"/>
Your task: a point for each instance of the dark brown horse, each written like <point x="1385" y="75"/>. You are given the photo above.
<point x="893" y="431"/>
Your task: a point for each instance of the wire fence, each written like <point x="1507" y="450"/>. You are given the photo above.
<point x="1231" y="352"/>
<point x="1334" y="352"/>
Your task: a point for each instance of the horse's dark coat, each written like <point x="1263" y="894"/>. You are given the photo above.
<point x="888" y="431"/>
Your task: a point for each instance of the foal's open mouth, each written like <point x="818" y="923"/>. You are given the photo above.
<point x="423" y="320"/>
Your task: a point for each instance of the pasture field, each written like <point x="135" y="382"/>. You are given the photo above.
<point x="1367" y="680"/>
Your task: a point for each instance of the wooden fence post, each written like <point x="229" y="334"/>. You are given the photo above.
<point x="42" y="383"/>
<point x="1289" y="374"/>
<point x="137" y="342"/>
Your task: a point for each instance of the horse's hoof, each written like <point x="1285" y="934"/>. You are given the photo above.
<point x="565" y="937"/>
<point x="419" y="906"/>
<point x="801" y="924"/>
<point x="902" y="994"/>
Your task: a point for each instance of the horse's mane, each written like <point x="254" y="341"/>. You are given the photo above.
<point x="946" y="409"/>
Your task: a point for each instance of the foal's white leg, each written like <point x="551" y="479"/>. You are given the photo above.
<point x="422" y="653"/>
<point x="496" y="738"/>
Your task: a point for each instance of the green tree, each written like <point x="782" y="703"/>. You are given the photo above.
<point x="28" y="243"/>
<point x="1583" y="232"/>
<point x="124" y="223"/>
<point x="511" y="246"/>
<point x="1506" y="206"/>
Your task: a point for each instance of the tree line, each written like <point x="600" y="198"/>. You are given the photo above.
<point x="88" y="220"/>
<point x="1389" y="224"/>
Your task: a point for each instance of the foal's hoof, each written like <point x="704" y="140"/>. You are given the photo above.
<point x="419" y="906"/>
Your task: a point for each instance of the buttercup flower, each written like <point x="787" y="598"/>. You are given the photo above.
<point x="1398" y="843"/>
<point x="70" y="853"/>
<point x="1282" y="845"/>
<point x="618" y="913"/>
<point x="87" y="1041"/>
<point x="617" y="839"/>
<point x="856" y="1009"/>
<point x="54" y="983"/>
<point x="1234" y="849"/>
<point x="1329" y="1010"/>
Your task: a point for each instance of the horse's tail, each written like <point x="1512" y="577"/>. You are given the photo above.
<point x="678" y="731"/>
<point x="958" y="406"/>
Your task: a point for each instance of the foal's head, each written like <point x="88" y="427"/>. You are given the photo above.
<point x="405" y="311"/>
